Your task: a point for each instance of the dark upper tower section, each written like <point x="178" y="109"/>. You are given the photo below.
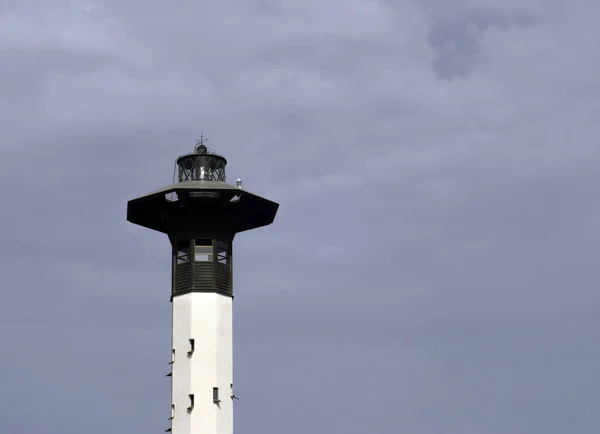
<point x="201" y="214"/>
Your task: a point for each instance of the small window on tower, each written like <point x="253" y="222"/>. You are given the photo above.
<point x="172" y="412"/>
<point x="182" y="255"/>
<point x="172" y="356"/>
<point x="222" y="253"/>
<point x="203" y="250"/>
<point x="216" y="394"/>
<point x="191" y="402"/>
<point x="192" y="346"/>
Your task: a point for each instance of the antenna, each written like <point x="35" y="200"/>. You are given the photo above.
<point x="201" y="145"/>
<point x="202" y="140"/>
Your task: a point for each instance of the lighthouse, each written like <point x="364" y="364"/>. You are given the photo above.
<point x="201" y="214"/>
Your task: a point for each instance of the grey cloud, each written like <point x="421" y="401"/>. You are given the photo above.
<point x="432" y="266"/>
<point x="457" y="40"/>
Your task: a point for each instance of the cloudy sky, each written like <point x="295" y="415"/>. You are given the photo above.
<point x="433" y="266"/>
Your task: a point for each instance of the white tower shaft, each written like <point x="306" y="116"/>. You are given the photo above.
<point x="202" y="364"/>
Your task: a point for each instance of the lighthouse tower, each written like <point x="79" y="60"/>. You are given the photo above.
<point x="201" y="214"/>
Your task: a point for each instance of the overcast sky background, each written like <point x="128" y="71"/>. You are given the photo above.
<point x="433" y="268"/>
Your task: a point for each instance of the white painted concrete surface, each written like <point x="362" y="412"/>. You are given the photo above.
<point x="206" y="318"/>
